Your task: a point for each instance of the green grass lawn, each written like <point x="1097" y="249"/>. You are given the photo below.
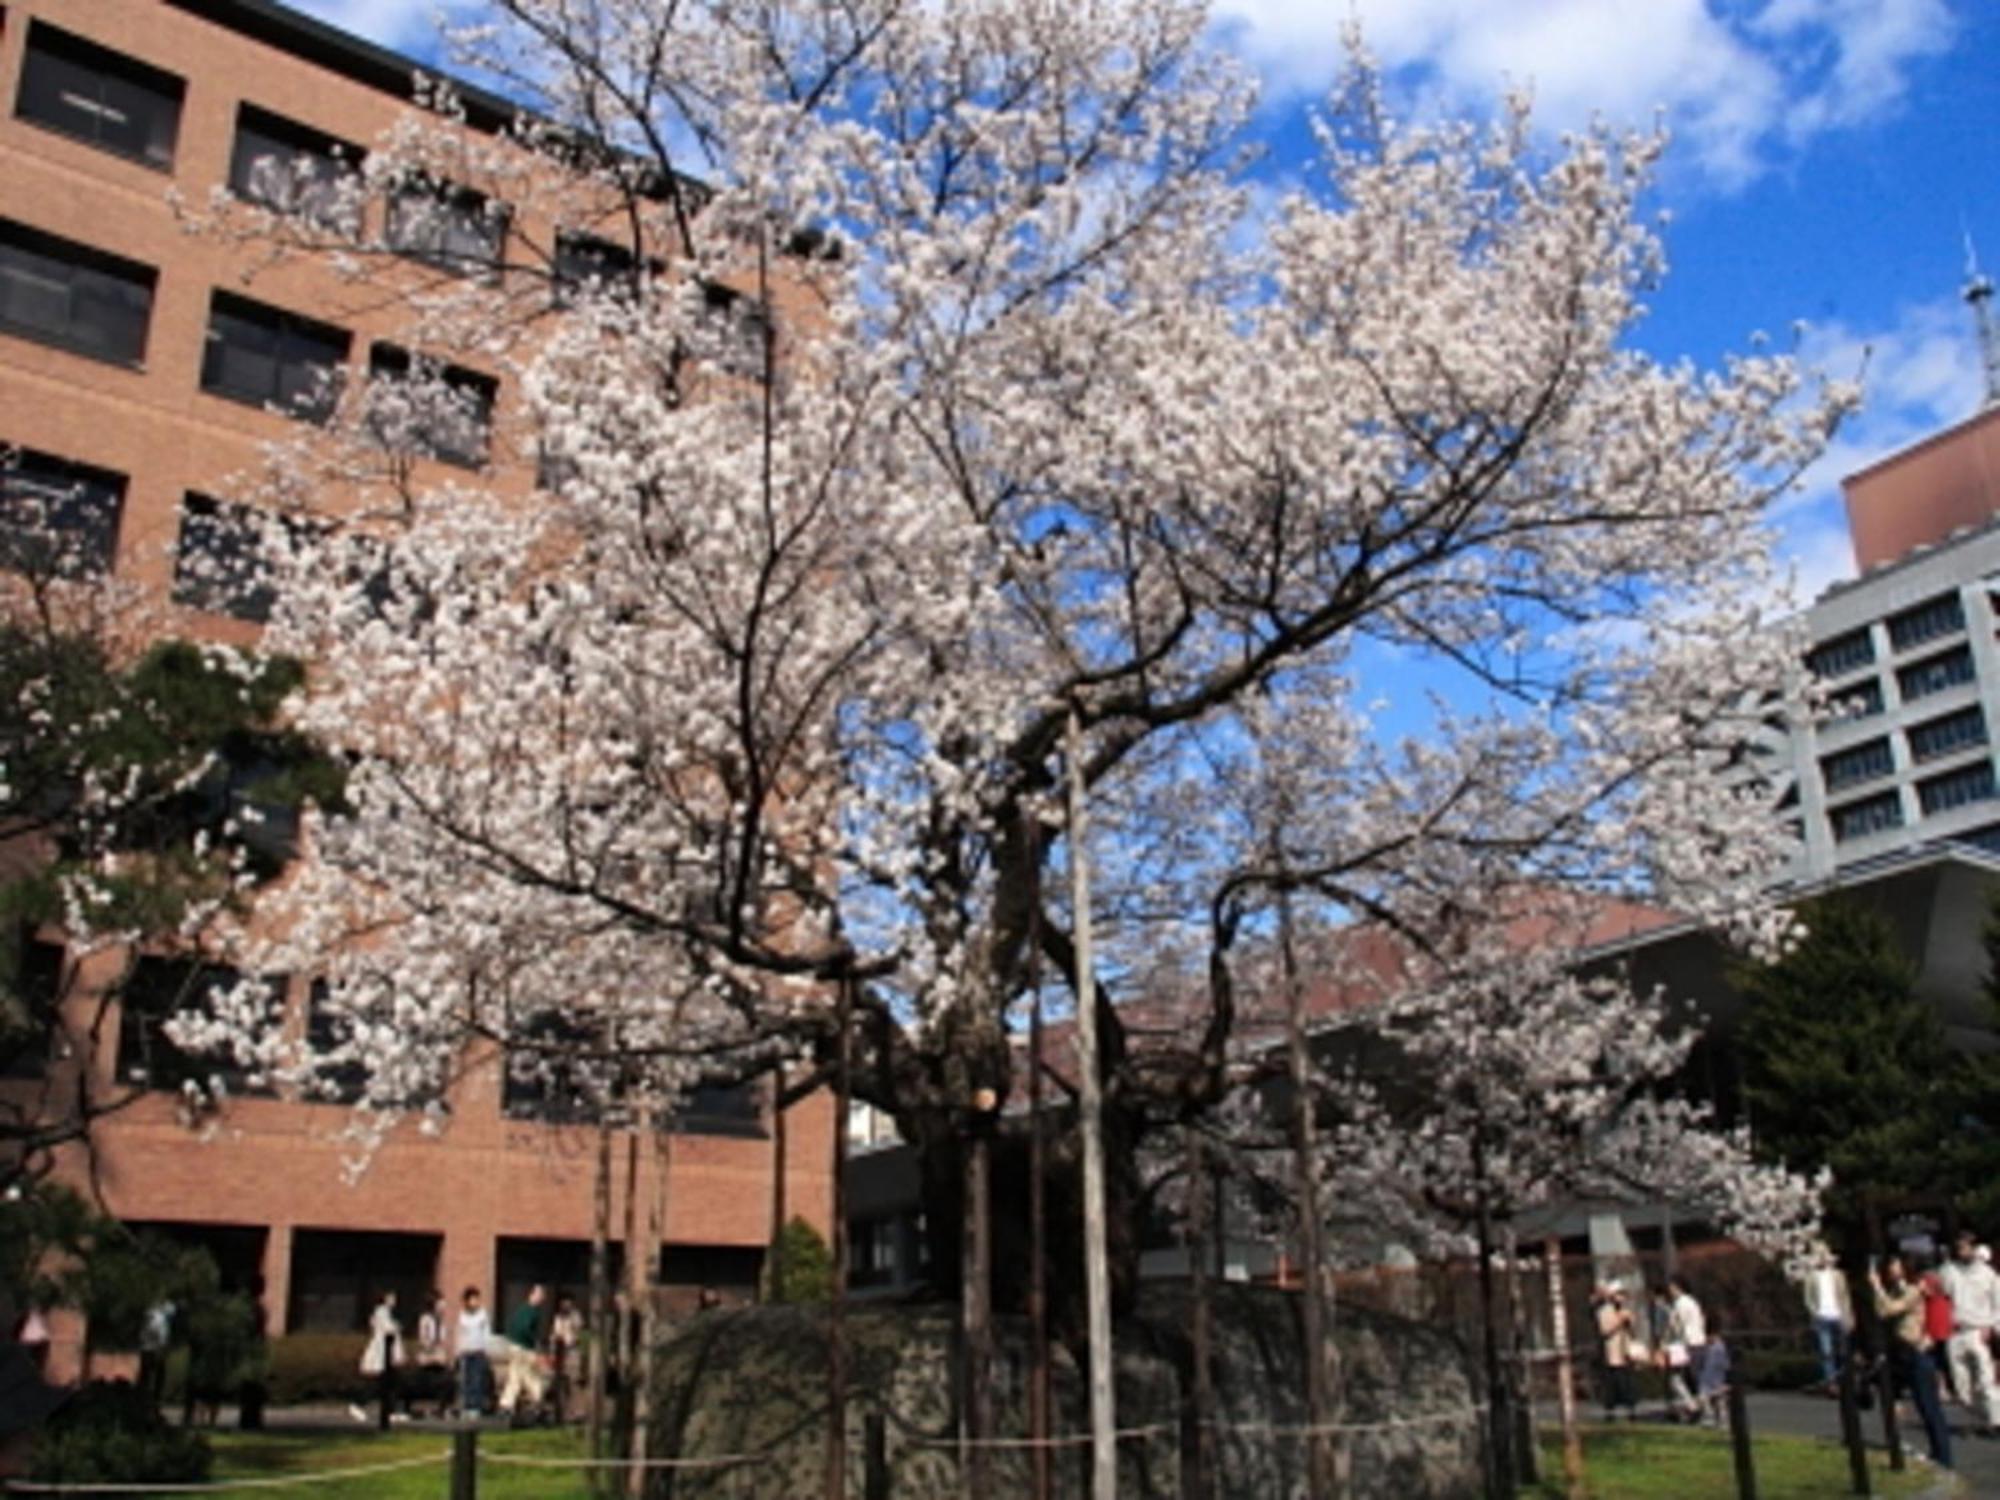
<point x="244" y="1455"/>
<point x="1645" y="1463"/>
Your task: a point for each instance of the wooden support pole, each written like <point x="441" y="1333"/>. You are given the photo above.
<point x="1850" y="1428"/>
<point x="836" y="1302"/>
<point x="1090" y="1125"/>
<point x="1573" y="1477"/>
<point x="1320" y="1458"/>
<point x="465" y="1464"/>
<point x="1040" y="1381"/>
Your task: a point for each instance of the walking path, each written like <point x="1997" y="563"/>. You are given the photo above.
<point x="1977" y="1459"/>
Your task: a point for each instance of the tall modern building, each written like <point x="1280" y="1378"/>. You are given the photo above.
<point x="139" y="368"/>
<point x="1910" y="653"/>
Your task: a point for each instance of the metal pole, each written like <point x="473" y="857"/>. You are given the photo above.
<point x="1039" y="1375"/>
<point x="1305" y="1186"/>
<point x="774" y="1257"/>
<point x="1198" y="1445"/>
<point x="1090" y="1108"/>
<point x="465" y="1464"/>
<point x="1739" y="1442"/>
<point x="976" y="1305"/>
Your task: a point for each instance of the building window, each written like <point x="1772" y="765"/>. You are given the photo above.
<point x="1859" y="700"/>
<point x="438" y="411"/>
<point x="267" y="357"/>
<point x="1870" y="815"/>
<point x="1944" y="615"/>
<point x="582" y="259"/>
<point x="732" y="331"/>
<point x="342" y="1081"/>
<point x="1862" y="763"/>
<point x="56" y="517"/>
<point x="158" y="990"/>
<point x="113" y="101"/>
<point x="27" y="1035"/>
<point x="1935" y="673"/>
<point x="220" y="563"/>
<point x="56" y="291"/>
<point x="452" y="228"/>
<point x="734" y="1109"/>
<point x="1957" y="731"/>
<point x="1842" y="654"/>
<point x="294" y="168"/>
<point x="1972" y="783"/>
<point x="1987" y="838"/>
<point x="551" y="1075"/>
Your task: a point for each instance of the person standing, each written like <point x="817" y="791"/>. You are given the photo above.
<point x="1686" y="1333"/>
<point x="1618" y="1343"/>
<point x="1974" y="1289"/>
<point x="1831" y="1309"/>
<point x="434" y="1380"/>
<point x="526" y="1361"/>
<point x="1900" y="1303"/>
<point x="565" y="1355"/>
<point x="382" y="1354"/>
<point x="473" y="1339"/>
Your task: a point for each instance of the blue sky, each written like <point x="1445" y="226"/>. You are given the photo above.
<point x="1829" y="156"/>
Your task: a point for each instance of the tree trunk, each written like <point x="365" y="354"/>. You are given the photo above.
<point x="1527" y="1452"/>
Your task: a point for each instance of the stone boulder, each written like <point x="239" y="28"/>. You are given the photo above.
<point x="744" y="1393"/>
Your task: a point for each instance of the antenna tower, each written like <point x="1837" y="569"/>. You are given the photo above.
<point x="1978" y="294"/>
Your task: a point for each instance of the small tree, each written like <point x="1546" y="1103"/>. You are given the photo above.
<point x="807" y="1274"/>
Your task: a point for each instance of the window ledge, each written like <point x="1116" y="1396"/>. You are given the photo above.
<point x="48" y="341"/>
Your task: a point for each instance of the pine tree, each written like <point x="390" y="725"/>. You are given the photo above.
<point x="1846" y="1067"/>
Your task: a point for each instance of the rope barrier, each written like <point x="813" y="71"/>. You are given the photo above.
<point x="1428" y="1419"/>
<point x="220" y="1486"/>
<point x="1066" y="1440"/>
<point x="529" y="1461"/>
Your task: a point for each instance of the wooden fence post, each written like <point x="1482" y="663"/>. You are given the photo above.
<point x="1850" y="1428"/>
<point x="1739" y="1442"/>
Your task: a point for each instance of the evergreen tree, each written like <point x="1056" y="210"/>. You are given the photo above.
<point x="1847" y="1068"/>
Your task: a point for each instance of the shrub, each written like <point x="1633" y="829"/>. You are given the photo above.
<point x="109" y="1433"/>
<point x="316" y="1367"/>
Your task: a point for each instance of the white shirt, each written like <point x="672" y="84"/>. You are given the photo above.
<point x="1688" y="1324"/>
<point x="475" y="1330"/>
<point x="1826" y="1293"/>
<point x="1975" y="1294"/>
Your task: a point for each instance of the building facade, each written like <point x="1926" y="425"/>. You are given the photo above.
<point x="140" y="367"/>
<point x="1909" y="654"/>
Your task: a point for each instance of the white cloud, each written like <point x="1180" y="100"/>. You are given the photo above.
<point x="1920" y="374"/>
<point x="407" y="25"/>
<point x="1736" y="80"/>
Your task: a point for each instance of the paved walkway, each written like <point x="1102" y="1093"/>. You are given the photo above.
<point x="1977" y="1459"/>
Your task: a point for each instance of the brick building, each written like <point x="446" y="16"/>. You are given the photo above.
<point x="139" y="369"/>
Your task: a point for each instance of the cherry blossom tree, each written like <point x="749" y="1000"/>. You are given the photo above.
<point x="974" y="387"/>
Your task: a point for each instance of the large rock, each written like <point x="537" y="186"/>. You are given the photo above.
<point x="748" y="1389"/>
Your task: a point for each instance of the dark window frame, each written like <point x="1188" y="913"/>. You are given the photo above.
<point x="147" y="1057"/>
<point x="1857" y="764"/>
<point x="237" y="580"/>
<point x="90" y="503"/>
<point x="1937" y="617"/>
<point x="1854" y="820"/>
<point x="392" y="362"/>
<point x="1936" y="674"/>
<point x="115" y="78"/>
<point x="468" y="212"/>
<point x="1847" y="652"/>
<point x="306" y="358"/>
<point x="331" y="159"/>
<point x="1942" y="736"/>
<point x="1957" y="788"/>
<point x="87" y="276"/>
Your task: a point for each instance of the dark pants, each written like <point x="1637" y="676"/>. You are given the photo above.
<point x="1620" y="1389"/>
<point x="1916" y="1374"/>
<point x="475" y="1384"/>
<point x="385" y="1395"/>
